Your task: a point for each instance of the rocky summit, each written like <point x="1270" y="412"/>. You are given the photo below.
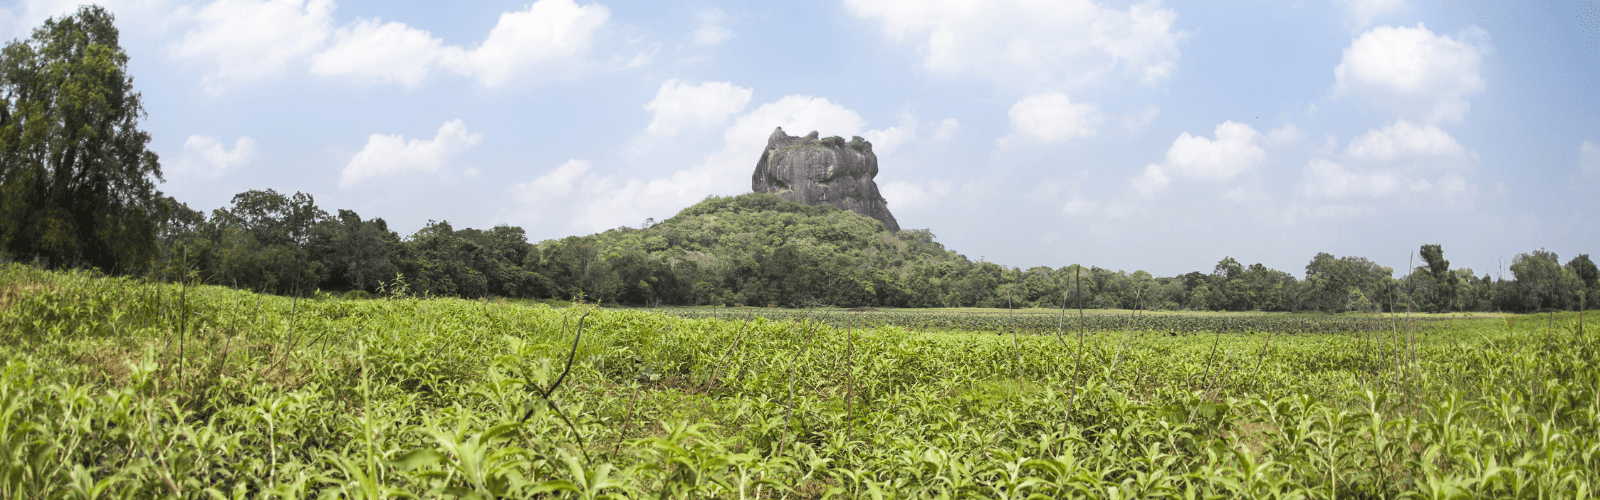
<point x="828" y="171"/>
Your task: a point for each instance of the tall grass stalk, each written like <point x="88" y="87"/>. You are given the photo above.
<point x="788" y="410"/>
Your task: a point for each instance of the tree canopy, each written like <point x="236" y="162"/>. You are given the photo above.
<point x="77" y="183"/>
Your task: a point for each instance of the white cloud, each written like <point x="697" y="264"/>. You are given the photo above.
<point x="250" y="40"/>
<point x="1233" y="152"/>
<point x="19" y="18"/>
<point x="1051" y="117"/>
<point x="1080" y="206"/>
<point x="1399" y="160"/>
<point x="1286" y="135"/>
<point x="1363" y="12"/>
<point x="1152" y="181"/>
<point x="547" y="40"/>
<point x="368" y="52"/>
<point x="713" y="28"/>
<point x="911" y="196"/>
<point x="205" y="156"/>
<point x="887" y="140"/>
<point x="1403" y="139"/>
<point x="678" y="105"/>
<point x="1326" y="179"/>
<point x="556" y="184"/>
<point x="947" y="129"/>
<point x="1413" y="71"/>
<point x="1589" y="158"/>
<point x="1032" y="44"/>
<point x="1247" y="195"/>
<point x="604" y="202"/>
<point x="387" y="155"/>
<point x="1137" y="122"/>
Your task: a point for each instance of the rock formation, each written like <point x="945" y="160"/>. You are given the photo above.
<point x="823" y="171"/>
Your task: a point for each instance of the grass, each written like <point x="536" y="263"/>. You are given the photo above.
<point x="113" y="387"/>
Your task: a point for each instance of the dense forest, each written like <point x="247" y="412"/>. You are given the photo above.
<point x="77" y="190"/>
<point x="760" y="249"/>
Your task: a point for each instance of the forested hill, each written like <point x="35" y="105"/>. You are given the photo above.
<point x="757" y="249"/>
<point x="760" y="249"/>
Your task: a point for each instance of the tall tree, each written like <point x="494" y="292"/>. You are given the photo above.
<point x="77" y="184"/>
<point x="1438" y="290"/>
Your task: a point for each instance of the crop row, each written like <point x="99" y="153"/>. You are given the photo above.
<point x="1070" y="322"/>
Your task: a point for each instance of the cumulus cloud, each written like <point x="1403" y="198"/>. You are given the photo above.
<point x="388" y="155"/>
<point x="1286" y="135"/>
<point x="1051" y="117"/>
<point x="18" y="18"/>
<point x="1399" y="161"/>
<point x="1403" y="141"/>
<point x="249" y="40"/>
<point x="1153" y="180"/>
<point x="1031" y="44"/>
<point x="1080" y="206"/>
<point x="678" y="105"/>
<point x="1231" y="153"/>
<point x="1413" y="71"/>
<point x="947" y="129"/>
<point x="548" y="38"/>
<point x="205" y="156"/>
<point x="1363" y="12"/>
<point x="1138" y="121"/>
<point x="605" y="201"/>
<point x="912" y="196"/>
<point x="1589" y="158"/>
<point x="713" y="28"/>
<point x="369" y="52"/>
<point x="1325" y="179"/>
<point x="556" y="184"/>
<point x="889" y="139"/>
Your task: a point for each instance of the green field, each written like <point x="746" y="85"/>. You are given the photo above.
<point x="113" y="387"/>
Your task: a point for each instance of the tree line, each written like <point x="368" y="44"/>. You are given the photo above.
<point x="77" y="189"/>
<point x="760" y="249"/>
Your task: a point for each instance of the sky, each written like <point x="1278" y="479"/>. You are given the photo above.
<point x="1156" y="135"/>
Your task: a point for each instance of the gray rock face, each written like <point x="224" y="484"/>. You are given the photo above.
<point x="823" y="171"/>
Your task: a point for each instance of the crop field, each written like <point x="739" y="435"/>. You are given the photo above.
<point x="1036" y="321"/>
<point x="118" y="388"/>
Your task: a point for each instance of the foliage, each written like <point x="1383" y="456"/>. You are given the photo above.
<point x="77" y="184"/>
<point x="117" y="388"/>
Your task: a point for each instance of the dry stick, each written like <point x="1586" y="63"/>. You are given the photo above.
<point x="183" y="315"/>
<point x="1222" y="376"/>
<point x="1125" y="338"/>
<point x="849" y="387"/>
<point x="1016" y="345"/>
<point x="557" y="384"/>
<point x="789" y="409"/>
<point x="1411" y="328"/>
<point x="1262" y="358"/>
<point x="1211" y="360"/>
<point x="717" y="370"/>
<point x="1077" y="286"/>
<point x="1061" y="324"/>
<point x="1547" y="335"/>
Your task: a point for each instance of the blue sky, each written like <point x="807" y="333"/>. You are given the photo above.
<point x="1130" y="135"/>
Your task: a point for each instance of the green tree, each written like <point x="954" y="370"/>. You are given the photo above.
<point x="356" y="253"/>
<point x="1588" y="280"/>
<point x="1437" y="287"/>
<point x="1541" y="283"/>
<point x="77" y="183"/>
